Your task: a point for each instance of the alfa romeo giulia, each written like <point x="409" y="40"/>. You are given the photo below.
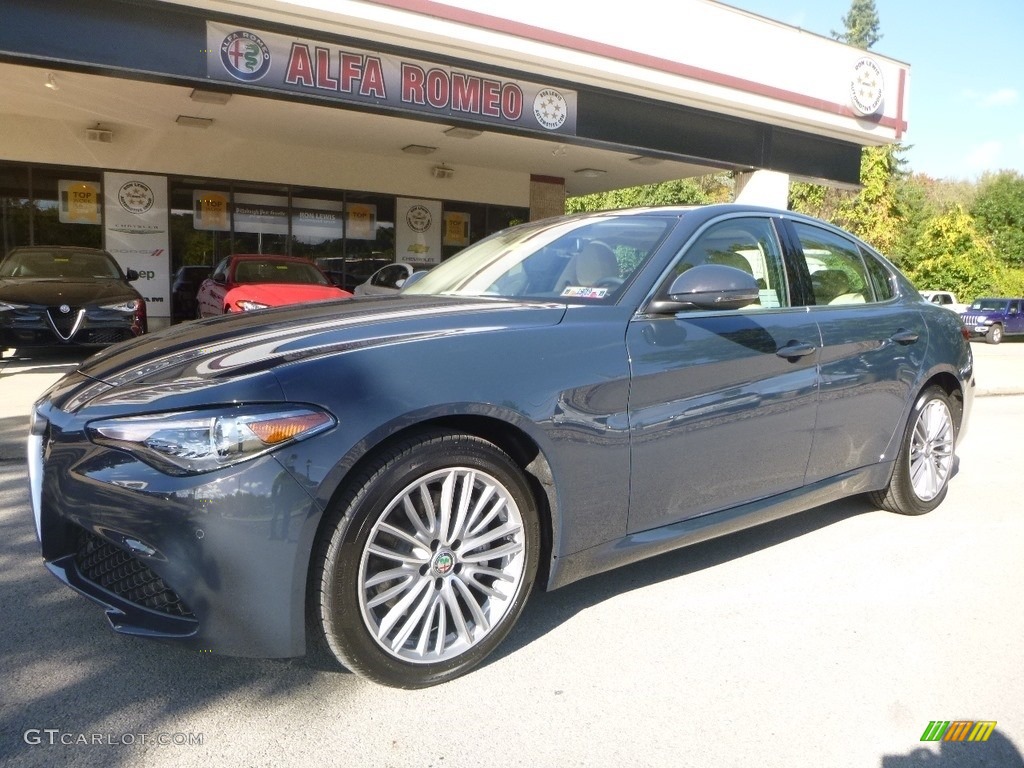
<point x="386" y="479"/>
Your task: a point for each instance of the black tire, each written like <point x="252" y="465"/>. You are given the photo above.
<point x="362" y="602"/>
<point x="994" y="335"/>
<point x="926" y="458"/>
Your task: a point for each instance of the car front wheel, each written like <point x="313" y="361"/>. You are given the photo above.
<point x="427" y="561"/>
<point x="994" y="334"/>
<point x="926" y="458"/>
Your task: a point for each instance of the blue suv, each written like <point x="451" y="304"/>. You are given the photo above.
<point x="994" y="318"/>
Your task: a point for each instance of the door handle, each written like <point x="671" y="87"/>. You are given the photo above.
<point x="795" y="350"/>
<point x="903" y="336"/>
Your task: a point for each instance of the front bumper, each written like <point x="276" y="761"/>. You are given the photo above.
<point x="217" y="562"/>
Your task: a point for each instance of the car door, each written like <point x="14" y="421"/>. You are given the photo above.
<point x="1015" y="317"/>
<point x="873" y="347"/>
<point x="722" y="403"/>
<point x="210" y="296"/>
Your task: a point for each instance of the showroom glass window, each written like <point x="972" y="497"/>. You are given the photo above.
<point x="837" y="269"/>
<point x="67" y="207"/>
<point x="745" y="243"/>
<point x="259" y="219"/>
<point x="15" y="208"/>
<point x="200" y="223"/>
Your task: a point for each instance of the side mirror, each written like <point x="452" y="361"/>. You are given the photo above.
<point x="132" y="275"/>
<point x="710" y="286"/>
<point x="415" y="277"/>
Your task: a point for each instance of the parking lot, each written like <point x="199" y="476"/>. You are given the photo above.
<point x="831" y="638"/>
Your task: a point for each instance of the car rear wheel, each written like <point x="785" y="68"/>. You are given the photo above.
<point x="994" y="334"/>
<point x="427" y="561"/>
<point x="926" y="457"/>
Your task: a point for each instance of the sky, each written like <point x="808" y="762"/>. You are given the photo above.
<point x="966" y="103"/>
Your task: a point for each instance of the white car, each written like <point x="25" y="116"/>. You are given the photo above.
<point x="387" y="279"/>
<point x="944" y="299"/>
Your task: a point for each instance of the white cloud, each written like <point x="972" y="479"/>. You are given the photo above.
<point x="1004" y="97"/>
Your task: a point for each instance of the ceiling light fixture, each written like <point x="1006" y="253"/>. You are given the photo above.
<point x="590" y="173"/>
<point x="418" y="149"/>
<point x="100" y="134"/>
<point x="51" y="82"/>
<point x="193" y="122"/>
<point x="462" y="133"/>
<point x="209" y="97"/>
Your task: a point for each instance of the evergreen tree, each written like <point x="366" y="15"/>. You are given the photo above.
<point x="860" y="25"/>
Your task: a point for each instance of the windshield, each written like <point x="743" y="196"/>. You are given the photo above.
<point x="278" y="271"/>
<point x="990" y="305"/>
<point x="74" y="265"/>
<point x="580" y="260"/>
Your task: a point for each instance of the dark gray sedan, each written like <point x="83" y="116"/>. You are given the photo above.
<point x="383" y="481"/>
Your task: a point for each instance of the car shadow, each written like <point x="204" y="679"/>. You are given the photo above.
<point x="546" y="611"/>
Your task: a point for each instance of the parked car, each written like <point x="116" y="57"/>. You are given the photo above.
<point x="347" y="273"/>
<point x="388" y="279"/>
<point x="244" y="282"/>
<point x="184" y="288"/>
<point x="944" y="299"/>
<point x="559" y="399"/>
<point x="54" y="296"/>
<point x="994" y="318"/>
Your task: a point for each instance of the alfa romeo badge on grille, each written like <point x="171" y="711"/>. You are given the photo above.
<point x="65" y="308"/>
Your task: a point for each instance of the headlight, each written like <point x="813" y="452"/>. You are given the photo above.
<point x="246" y="306"/>
<point x="122" y="306"/>
<point x="6" y="306"/>
<point x="189" y="443"/>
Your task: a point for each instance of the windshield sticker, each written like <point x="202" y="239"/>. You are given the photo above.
<point x="584" y="292"/>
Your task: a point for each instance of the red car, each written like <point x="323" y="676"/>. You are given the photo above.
<point x="245" y="281"/>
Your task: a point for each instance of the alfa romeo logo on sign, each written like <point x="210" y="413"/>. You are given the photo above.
<point x="245" y="56"/>
<point x="867" y="88"/>
<point x="418" y="218"/>
<point x="135" y="197"/>
<point x="550" y="109"/>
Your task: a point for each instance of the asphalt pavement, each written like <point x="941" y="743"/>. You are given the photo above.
<point x="831" y="638"/>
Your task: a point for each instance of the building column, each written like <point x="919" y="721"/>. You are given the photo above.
<point x="547" y="197"/>
<point x="769" y="188"/>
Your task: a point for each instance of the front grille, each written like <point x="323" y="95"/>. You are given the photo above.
<point x="103" y="335"/>
<point x="116" y="571"/>
<point x="65" y="323"/>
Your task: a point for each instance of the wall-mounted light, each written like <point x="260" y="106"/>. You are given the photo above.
<point x="418" y="149"/>
<point x="100" y="134"/>
<point x="590" y="173"/>
<point x="462" y="133"/>
<point x="209" y="97"/>
<point x="193" y="122"/>
<point x="442" y="171"/>
<point x="51" y="82"/>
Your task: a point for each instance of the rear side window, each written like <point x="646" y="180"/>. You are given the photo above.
<point x="882" y="281"/>
<point x="748" y="244"/>
<point x="837" y="269"/>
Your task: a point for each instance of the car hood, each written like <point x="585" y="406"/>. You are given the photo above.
<point x="55" y="291"/>
<point x="278" y="294"/>
<point x="201" y="353"/>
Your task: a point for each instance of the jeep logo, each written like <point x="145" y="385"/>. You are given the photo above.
<point x="146" y="274"/>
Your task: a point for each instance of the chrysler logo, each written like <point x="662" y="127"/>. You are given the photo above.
<point x="64" y="308"/>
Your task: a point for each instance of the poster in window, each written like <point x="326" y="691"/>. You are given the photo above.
<point x="361" y="221"/>
<point x="456" y="228"/>
<point x="210" y="210"/>
<point x="80" y="202"/>
<point x="418" y="226"/>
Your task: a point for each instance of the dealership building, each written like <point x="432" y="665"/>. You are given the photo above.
<point x="176" y="133"/>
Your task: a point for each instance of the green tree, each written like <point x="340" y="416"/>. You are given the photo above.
<point x="716" y="188"/>
<point x="954" y="256"/>
<point x="998" y="210"/>
<point x="860" y="25"/>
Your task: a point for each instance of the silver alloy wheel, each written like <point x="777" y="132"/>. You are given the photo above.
<point x="931" y="450"/>
<point x="442" y="565"/>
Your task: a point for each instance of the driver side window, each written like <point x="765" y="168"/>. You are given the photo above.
<point x="747" y="244"/>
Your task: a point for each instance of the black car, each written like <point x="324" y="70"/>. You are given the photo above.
<point x="54" y="296"/>
<point x="385" y="479"/>
<point x="184" y="288"/>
